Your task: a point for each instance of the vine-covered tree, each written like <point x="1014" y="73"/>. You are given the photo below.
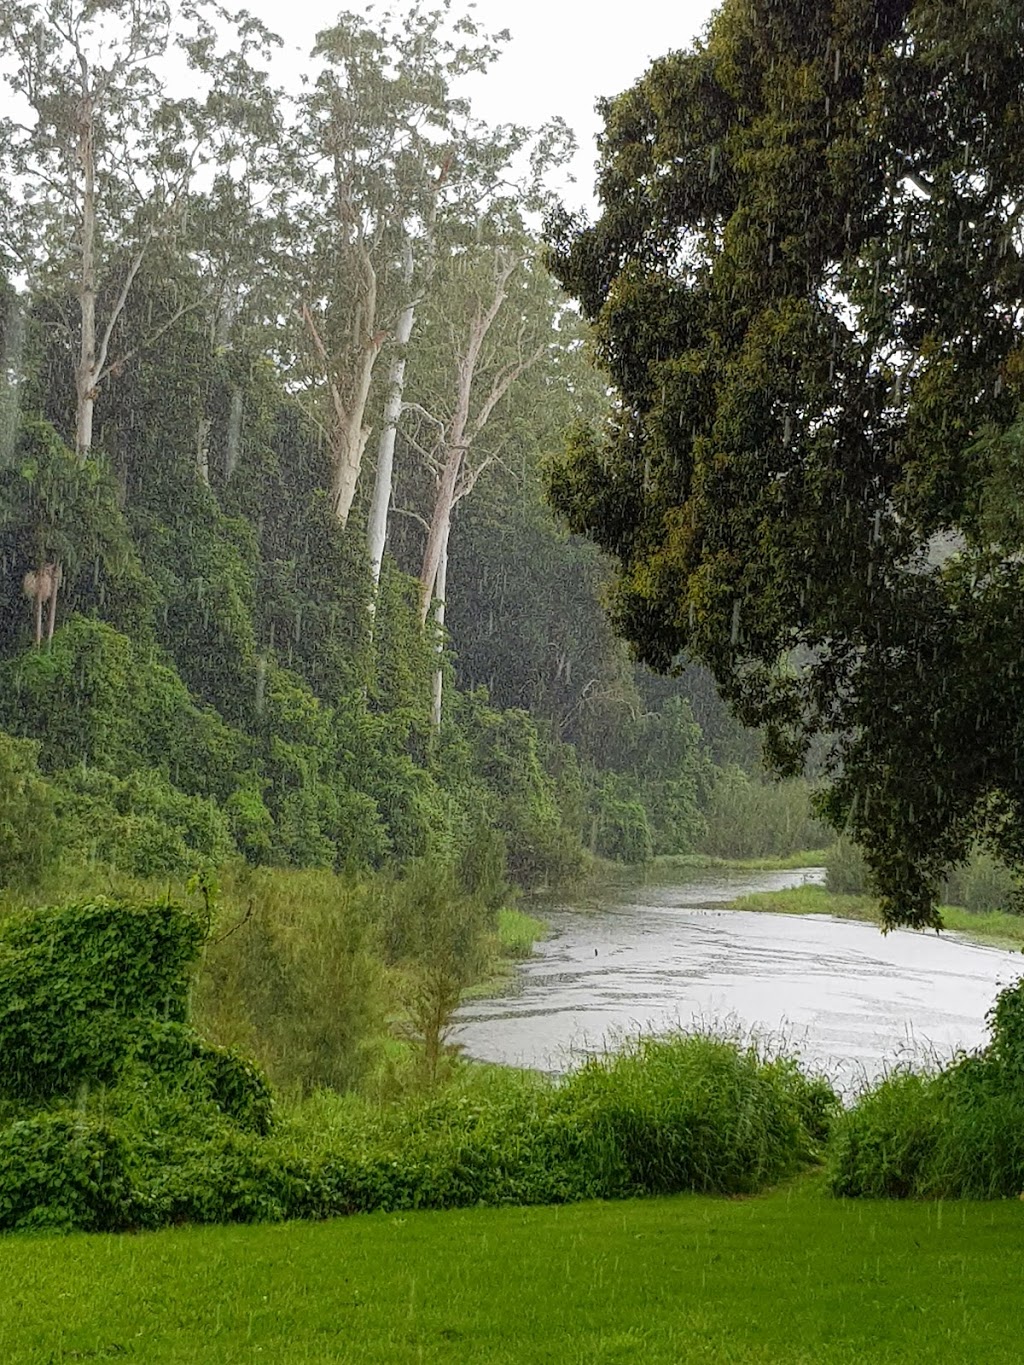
<point x="807" y="283"/>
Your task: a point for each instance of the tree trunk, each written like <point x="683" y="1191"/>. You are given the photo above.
<point x="440" y="526"/>
<point x="56" y="579"/>
<point x="377" y="528"/>
<point x="234" y="434"/>
<point x="86" y="370"/>
<point x="348" y="443"/>
<point x="203" y="450"/>
<point x="461" y="432"/>
<point x="440" y="593"/>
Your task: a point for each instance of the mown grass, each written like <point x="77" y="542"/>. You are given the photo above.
<point x="991" y="926"/>
<point x="790" y="1278"/>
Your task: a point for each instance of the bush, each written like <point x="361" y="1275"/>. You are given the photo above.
<point x="956" y="1134"/>
<point x="77" y="983"/>
<point x="140" y="824"/>
<point x="295" y="982"/>
<point x="983" y="884"/>
<point x="27" y="828"/>
<point x="696" y="1112"/>
<point x="62" y="1171"/>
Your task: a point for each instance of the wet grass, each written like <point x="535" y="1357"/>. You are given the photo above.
<point x="791" y="1278"/>
<point x="994" y="927"/>
<point x="810" y="857"/>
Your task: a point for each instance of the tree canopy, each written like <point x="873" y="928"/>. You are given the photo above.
<point x="806" y="281"/>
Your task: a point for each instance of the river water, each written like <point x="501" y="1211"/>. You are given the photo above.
<point x="655" y="957"/>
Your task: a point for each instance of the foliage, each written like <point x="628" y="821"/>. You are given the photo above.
<point x="27" y="826"/>
<point x="96" y="698"/>
<point x="805" y="286"/>
<point x="749" y="818"/>
<point x="56" y="508"/>
<point x="139" y="824"/>
<point x="619" y="827"/>
<point x="846" y="873"/>
<point x="61" y="1172"/>
<point x="291" y="977"/>
<point x="76" y="984"/>
<point x="953" y="1134"/>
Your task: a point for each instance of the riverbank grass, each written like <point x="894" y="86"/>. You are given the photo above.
<point x="808" y="857"/>
<point x="791" y="1278"/>
<point x="994" y="927"/>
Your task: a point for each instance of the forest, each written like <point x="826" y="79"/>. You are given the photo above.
<point x="282" y="377"/>
<point x="390" y="557"/>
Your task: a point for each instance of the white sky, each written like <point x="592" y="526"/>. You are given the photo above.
<point x="564" y="55"/>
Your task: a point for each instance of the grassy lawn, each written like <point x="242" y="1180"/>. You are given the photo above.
<point x="788" y="1277"/>
<point x="992" y="926"/>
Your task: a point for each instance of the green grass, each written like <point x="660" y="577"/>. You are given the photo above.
<point x="990" y="926"/>
<point x="808" y="857"/>
<point x="791" y="1278"/>
<point x="518" y="932"/>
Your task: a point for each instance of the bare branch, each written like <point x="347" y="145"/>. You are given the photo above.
<point x="116" y="366"/>
<point x="118" y="309"/>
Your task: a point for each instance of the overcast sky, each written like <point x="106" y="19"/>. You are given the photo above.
<point x="564" y="55"/>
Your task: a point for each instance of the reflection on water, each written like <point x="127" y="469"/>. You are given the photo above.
<point x="655" y="957"/>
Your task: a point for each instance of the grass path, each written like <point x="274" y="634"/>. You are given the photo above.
<point x="791" y="1277"/>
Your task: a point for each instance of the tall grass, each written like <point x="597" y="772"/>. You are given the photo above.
<point x="687" y="1112"/>
<point x="955" y="1133"/>
<point x="750" y="818"/>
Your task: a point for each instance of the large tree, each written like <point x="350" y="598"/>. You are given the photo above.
<point x="806" y="282"/>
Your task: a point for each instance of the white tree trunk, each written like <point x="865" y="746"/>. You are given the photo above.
<point x="440" y="593"/>
<point x="86" y="370"/>
<point x="377" y="528"/>
<point x="203" y="450"/>
<point x="461" y="431"/>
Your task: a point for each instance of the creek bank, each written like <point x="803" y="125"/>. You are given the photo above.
<point x="992" y="928"/>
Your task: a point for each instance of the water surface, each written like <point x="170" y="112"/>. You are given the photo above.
<point x="653" y="957"/>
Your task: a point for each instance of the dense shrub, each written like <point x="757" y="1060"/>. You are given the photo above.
<point x="296" y="983"/>
<point x="957" y="1133"/>
<point x="697" y="1113"/>
<point x="97" y="698"/>
<point x="27" y="826"/>
<point x="139" y="824"/>
<point x="76" y="984"/>
<point x="62" y="1171"/>
<point x="983" y="884"/>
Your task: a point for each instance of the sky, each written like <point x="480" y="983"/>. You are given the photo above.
<point x="563" y="56"/>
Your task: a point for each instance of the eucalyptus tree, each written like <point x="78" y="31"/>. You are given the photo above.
<point x="491" y="320"/>
<point x="373" y="143"/>
<point x="99" y="159"/>
<point x="807" y="281"/>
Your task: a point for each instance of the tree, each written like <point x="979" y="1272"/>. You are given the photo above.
<point x="101" y="167"/>
<point x="807" y="286"/>
<point x="373" y="140"/>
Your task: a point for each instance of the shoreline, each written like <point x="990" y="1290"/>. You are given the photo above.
<point x="991" y="928"/>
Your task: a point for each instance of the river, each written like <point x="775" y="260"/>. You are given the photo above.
<point x="655" y="957"/>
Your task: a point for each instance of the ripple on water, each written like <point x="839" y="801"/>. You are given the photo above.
<point x="850" y="1000"/>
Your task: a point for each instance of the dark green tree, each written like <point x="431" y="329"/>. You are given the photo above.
<point x="806" y="282"/>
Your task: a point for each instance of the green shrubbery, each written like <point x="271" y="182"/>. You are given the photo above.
<point x="957" y="1133"/>
<point x="114" y="1114"/>
<point x="750" y="818"/>
<point x="981" y="884"/>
